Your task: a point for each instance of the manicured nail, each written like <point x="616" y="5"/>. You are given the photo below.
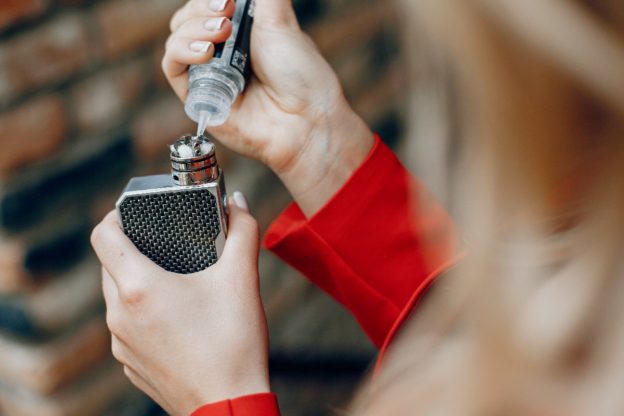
<point x="200" y="46"/>
<point x="218" y="5"/>
<point x="240" y="201"/>
<point x="215" y="24"/>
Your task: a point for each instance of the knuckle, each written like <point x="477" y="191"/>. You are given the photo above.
<point x="177" y="17"/>
<point x="101" y="230"/>
<point x="113" y="322"/>
<point x="195" y="6"/>
<point x="173" y="21"/>
<point x="111" y="219"/>
<point x="133" y="292"/>
<point x="169" y="44"/>
<point x="117" y="352"/>
<point x="187" y="26"/>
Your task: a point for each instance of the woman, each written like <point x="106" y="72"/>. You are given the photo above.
<point x="529" y="322"/>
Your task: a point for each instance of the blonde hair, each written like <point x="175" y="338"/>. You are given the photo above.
<point x="531" y="322"/>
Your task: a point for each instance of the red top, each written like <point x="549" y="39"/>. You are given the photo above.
<point x="374" y="247"/>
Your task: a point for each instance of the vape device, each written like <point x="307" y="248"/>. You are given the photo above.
<point x="179" y="220"/>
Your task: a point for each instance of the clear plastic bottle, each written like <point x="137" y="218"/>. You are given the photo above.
<point x="213" y="87"/>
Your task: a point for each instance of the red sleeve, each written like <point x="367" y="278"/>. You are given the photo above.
<point x="263" y="404"/>
<point x="373" y="245"/>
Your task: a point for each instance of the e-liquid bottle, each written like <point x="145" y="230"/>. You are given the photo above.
<point x="214" y="86"/>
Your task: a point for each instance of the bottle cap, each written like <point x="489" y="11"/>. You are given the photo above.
<point x="212" y="97"/>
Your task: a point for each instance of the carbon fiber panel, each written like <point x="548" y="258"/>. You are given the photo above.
<point x="177" y="230"/>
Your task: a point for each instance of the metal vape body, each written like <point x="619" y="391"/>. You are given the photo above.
<point x="179" y="221"/>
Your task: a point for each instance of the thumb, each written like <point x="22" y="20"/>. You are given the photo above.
<point x="242" y="242"/>
<point x="271" y="13"/>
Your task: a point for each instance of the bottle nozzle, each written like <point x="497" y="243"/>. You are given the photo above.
<point x="203" y="122"/>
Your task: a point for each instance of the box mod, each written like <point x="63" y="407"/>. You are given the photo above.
<point x="179" y="221"/>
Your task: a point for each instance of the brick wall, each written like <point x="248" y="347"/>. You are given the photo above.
<point x="84" y="106"/>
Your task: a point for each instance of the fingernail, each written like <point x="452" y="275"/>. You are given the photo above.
<point x="218" y="5"/>
<point x="215" y="24"/>
<point x="200" y="46"/>
<point x="240" y="201"/>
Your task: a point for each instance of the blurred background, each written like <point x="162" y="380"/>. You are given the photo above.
<point x="83" y="107"/>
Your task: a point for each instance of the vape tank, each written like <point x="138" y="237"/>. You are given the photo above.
<point x="179" y="221"/>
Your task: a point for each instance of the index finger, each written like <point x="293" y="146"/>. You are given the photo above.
<point x="116" y="252"/>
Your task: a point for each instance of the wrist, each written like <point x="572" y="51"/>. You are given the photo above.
<point x="337" y="144"/>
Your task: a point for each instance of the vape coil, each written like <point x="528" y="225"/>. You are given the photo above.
<point x="193" y="161"/>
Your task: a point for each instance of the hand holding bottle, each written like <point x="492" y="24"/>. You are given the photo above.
<point x="293" y="116"/>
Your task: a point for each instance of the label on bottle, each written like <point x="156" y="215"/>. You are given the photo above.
<point x="242" y="45"/>
<point x="235" y="51"/>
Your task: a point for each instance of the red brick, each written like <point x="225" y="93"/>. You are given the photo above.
<point x="75" y="3"/>
<point x="31" y="132"/>
<point x="159" y="125"/>
<point x="44" y="368"/>
<point x="90" y="395"/>
<point x="106" y="98"/>
<point x="127" y="25"/>
<point x="14" y="11"/>
<point x="13" y="277"/>
<point x="23" y="258"/>
<point x="61" y="301"/>
<point x="45" y="55"/>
